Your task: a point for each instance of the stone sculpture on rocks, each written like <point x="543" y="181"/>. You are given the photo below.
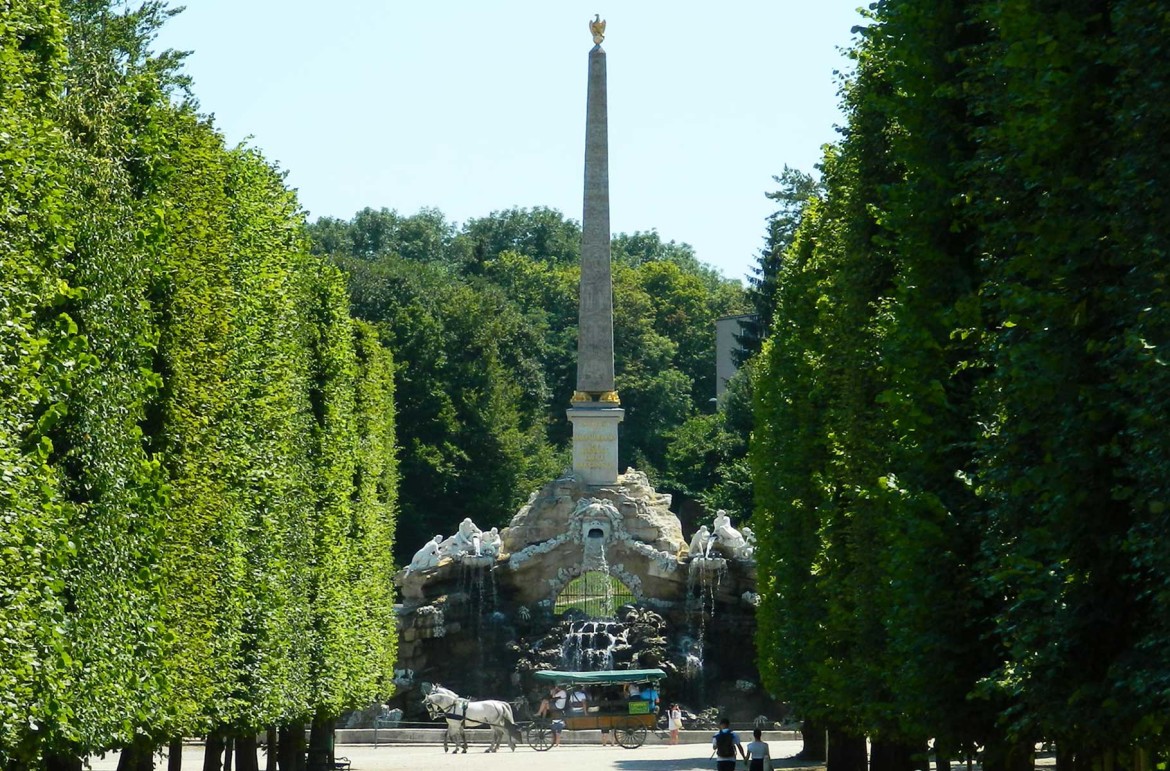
<point x="490" y="543"/>
<point x="428" y="556"/>
<point x="748" y="552"/>
<point x="729" y="540"/>
<point x="466" y="541"/>
<point x="701" y="543"/>
<point x="723" y="541"/>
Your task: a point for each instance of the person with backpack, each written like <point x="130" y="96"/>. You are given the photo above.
<point x="726" y="743"/>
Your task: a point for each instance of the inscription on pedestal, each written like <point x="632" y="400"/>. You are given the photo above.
<point x="595" y="444"/>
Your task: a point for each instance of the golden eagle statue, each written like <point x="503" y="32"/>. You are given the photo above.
<point x="597" y="27"/>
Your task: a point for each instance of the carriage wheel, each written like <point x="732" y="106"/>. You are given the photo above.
<point x="539" y="737"/>
<point x="631" y="736"/>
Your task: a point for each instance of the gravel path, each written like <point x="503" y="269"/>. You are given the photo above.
<point x="588" y="757"/>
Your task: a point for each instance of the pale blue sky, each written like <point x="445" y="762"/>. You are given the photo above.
<point x="472" y="107"/>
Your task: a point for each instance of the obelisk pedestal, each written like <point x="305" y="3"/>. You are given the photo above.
<point x="595" y="443"/>
<point x="595" y="411"/>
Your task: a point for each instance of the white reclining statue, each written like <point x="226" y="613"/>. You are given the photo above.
<point x="428" y="556"/>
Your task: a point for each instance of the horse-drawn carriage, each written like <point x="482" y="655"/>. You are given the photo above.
<point x="461" y="714"/>
<point x="608" y="707"/>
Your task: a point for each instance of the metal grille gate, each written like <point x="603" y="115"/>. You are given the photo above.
<point x="598" y="594"/>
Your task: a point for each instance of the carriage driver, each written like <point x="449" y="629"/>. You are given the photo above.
<point x="554" y="704"/>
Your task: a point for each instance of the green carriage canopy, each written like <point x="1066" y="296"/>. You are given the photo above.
<point x="604" y="677"/>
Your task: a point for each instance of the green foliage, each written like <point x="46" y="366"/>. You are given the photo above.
<point x="423" y="237"/>
<point x="485" y="342"/>
<point x="539" y="233"/>
<point x="373" y="523"/>
<point x="202" y="563"/>
<point x="957" y="452"/>
<point x="796" y="189"/>
<point x="197" y="474"/>
<point x="41" y="356"/>
<point x="707" y="456"/>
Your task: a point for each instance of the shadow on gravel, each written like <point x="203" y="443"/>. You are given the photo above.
<point x="706" y="763"/>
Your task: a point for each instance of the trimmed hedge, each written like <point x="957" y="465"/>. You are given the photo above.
<point x="961" y="435"/>
<point x="197" y="455"/>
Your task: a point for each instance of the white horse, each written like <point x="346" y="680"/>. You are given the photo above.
<point x="460" y="713"/>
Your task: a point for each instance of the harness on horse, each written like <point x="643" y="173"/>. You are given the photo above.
<point x="462" y="717"/>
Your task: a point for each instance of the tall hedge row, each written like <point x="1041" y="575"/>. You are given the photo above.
<point x="961" y="440"/>
<point x="197" y="470"/>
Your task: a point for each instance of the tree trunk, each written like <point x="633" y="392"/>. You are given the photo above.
<point x="292" y="747"/>
<point x="321" y="743"/>
<point x="146" y="757"/>
<point x="126" y="759"/>
<point x="1008" y="756"/>
<point x="62" y="762"/>
<point x="942" y="759"/>
<point x="213" y="751"/>
<point x="229" y="745"/>
<point x="272" y="748"/>
<point x="895" y="756"/>
<point x="246" y="752"/>
<point x="846" y="752"/>
<point x="175" y="755"/>
<point x="813" y="734"/>
<point x="139" y="756"/>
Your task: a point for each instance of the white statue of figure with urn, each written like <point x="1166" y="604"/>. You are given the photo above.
<point x="701" y="543"/>
<point x="721" y="539"/>
<point x="428" y="556"/>
<point x="490" y="543"/>
<point x="467" y="540"/>
<point x="728" y="539"/>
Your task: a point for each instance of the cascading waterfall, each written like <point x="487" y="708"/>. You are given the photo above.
<point x="607" y="609"/>
<point x="588" y="645"/>
<point x="477" y="582"/>
<point x="704" y="577"/>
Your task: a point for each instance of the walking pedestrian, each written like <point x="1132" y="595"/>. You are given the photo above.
<point x="759" y="754"/>
<point x="726" y="743"/>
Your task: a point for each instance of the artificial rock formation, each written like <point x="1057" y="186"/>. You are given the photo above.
<point x="574" y="527"/>
<point x="480" y="624"/>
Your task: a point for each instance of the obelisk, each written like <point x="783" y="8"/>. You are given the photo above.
<point x="595" y="411"/>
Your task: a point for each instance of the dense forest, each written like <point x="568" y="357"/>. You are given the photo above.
<point x="960" y="445"/>
<point x="197" y="452"/>
<point x="482" y="319"/>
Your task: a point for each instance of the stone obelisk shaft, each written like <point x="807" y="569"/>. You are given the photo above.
<point x="595" y="330"/>
<point x="595" y="413"/>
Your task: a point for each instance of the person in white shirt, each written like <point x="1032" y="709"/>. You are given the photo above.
<point x="554" y="704"/>
<point x="674" y="722"/>
<point x="759" y="757"/>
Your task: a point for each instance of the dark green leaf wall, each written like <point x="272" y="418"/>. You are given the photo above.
<point x="959" y="439"/>
<point x="197" y="453"/>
